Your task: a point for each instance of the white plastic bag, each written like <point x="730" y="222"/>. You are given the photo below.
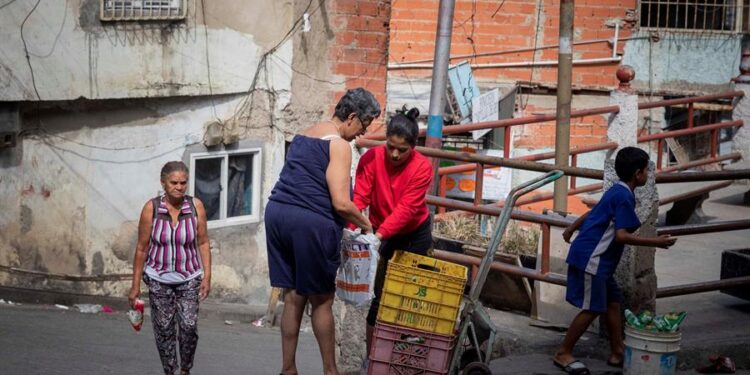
<point x="355" y="280"/>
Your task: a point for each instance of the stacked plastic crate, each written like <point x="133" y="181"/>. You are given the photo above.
<point x="415" y="332"/>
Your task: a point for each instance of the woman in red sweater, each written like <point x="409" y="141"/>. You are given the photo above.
<point x="392" y="180"/>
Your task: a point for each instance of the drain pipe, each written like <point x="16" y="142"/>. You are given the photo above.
<point x="439" y="83"/>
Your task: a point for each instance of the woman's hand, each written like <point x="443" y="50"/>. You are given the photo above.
<point x="367" y="227"/>
<point x="135" y="291"/>
<point x="205" y="289"/>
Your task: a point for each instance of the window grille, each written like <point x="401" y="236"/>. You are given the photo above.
<point x="723" y="16"/>
<point x="143" y="10"/>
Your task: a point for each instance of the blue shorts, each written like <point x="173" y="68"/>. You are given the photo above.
<point x="591" y="292"/>
<point x="303" y="249"/>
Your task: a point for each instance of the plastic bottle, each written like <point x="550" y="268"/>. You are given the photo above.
<point x="633" y="320"/>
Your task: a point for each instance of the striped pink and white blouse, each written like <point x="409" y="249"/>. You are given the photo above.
<point x="173" y="250"/>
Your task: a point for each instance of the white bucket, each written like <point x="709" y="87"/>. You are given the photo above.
<point x="649" y="353"/>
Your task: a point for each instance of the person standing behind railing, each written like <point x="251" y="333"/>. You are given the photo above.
<point x="595" y="254"/>
<point x="392" y="180"/>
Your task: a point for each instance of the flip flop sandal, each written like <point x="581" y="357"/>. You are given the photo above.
<point x="574" y="368"/>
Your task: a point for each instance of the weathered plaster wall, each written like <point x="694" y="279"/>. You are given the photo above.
<point x="75" y="55"/>
<point x="687" y="62"/>
<point x="72" y="193"/>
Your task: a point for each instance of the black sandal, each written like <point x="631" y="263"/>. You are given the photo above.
<point x="574" y="368"/>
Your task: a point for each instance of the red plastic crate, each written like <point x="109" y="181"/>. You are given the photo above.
<point x="403" y="351"/>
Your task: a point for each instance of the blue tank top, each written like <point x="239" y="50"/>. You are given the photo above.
<point x="302" y="181"/>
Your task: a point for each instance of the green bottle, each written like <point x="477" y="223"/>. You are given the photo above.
<point x="632" y="320"/>
<point x="674" y="320"/>
<point x="646" y="317"/>
<point x="661" y="324"/>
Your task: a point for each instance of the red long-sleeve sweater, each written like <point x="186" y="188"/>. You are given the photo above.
<point x="395" y="195"/>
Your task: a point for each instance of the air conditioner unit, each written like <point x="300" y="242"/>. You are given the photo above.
<point x="10" y="125"/>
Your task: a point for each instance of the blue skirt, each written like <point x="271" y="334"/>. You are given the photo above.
<point x="303" y="249"/>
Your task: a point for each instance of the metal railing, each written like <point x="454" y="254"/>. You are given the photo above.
<point x="478" y="163"/>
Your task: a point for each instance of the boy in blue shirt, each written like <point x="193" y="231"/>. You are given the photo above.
<point x="594" y="255"/>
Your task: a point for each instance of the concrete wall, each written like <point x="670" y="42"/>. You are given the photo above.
<point x="72" y="191"/>
<point x="687" y="62"/>
<point x="72" y="194"/>
<point x="75" y="55"/>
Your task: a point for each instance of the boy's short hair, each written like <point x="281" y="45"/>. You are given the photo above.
<point x="628" y="161"/>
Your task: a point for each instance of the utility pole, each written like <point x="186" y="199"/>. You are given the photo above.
<point x="439" y="83"/>
<point x="564" y="82"/>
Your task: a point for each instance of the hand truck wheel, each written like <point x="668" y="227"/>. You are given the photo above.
<point x="477" y="368"/>
<point x="470" y="356"/>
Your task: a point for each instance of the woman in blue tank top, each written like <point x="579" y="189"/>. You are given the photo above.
<point x="305" y="217"/>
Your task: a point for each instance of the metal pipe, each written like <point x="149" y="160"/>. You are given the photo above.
<point x="506" y="142"/>
<point x="531" y="49"/>
<point x="547" y="196"/>
<point x="519" y="64"/>
<point x="690" y="99"/>
<point x="545" y="248"/>
<point x="714" y="143"/>
<point x="478" y="185"/>
<point x="735" y="174"/>
<point x="659" y="152"/>
<point x="700" y="162"/>
<point x="690" y="115"/>
<point x="500" y="267"/>
<point x="706" y="286"/>
<point x="522" y="215"/>
<point x="694" y="130"/>
<point x="573" y="163"/>
<point x="664" y="292"/>
<point x="455" y="129"/>
<point x="439" y="81"/>
<point x="496" y="161"/>
<point x="442" y="191"/>
<point x="564" y="95"/>
<point x="694" y="193"/>
<point x="721" y="226"/>
<point x="615" y="39"/>
<point x="594" y="174"/>
<point x="557" y="221"/>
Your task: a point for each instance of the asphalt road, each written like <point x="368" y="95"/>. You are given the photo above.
<point x="38" y="339"/>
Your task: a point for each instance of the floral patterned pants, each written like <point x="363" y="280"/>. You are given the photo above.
<point x="167" y="302"/>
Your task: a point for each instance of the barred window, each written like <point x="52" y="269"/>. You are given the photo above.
<point x="695" y="15"/>
<point x="142" y="10"/>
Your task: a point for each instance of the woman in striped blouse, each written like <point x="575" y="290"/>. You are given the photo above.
<point x="172" y="257"/>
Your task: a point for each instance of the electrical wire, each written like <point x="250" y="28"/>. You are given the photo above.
<point x="26" y="50"/>
<point x="6" y="4"/>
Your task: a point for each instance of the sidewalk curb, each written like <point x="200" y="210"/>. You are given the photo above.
<point x="236" y="312"/>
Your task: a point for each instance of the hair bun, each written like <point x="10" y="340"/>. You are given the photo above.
<point x="413" y="114"/>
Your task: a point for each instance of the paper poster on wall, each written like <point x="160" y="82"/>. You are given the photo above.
<point x="495" y="186"/>
<point x="485" y="107"/>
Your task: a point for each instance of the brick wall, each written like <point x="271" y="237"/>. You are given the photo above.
<point x="486" y="26"/>
<point x="359" y="55"/>
<point x="584" y="131"/>
<point x="482" y="26"/>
